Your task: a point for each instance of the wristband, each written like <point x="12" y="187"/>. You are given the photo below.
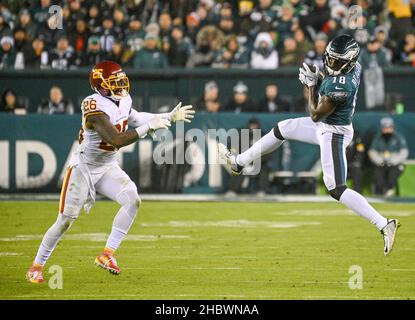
<point x="142" y="130"/>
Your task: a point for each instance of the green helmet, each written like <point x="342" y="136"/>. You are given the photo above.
<point x="341" y="55"/>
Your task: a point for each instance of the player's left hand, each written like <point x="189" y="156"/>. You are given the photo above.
<point x="307" y="77"/>
<point x="185" y="113"/>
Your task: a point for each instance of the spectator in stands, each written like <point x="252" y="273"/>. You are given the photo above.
<point x="180" y="48"/>
<point x="373" y="59"/>
<point x="355" y="154"/>
<point x="120" y="22"/>
<point x="21" y="40"/>
<point x="240" y="101"/>
<point x="192" y="26"/>
<point x="301" y="104"/>
<point x="287" y="22"/>
<point x="315" y="56"/>
<point x="94" y="18"/>
<point x="264" y="16"/>
<point x="400" y="14"/>
<point x="106" y="33"/>
<point x="94" y="53"/>
<point x="62" y="57"/>
<point x="117" y="53"/>
<point x="382" y="35"/>
<point x="291" y="55"/>
<point x="4" y="27"/>
<point x="135" y="34"/>
<point x="387" y="153"/>
<point x="303" y="44"/>
<point x="165" y="23"/>
<point x="36" y="57"/>
<point x="56" y="103"/>
<point x="7" y="53"/>
<point x="209" y="41"/>
<point x="150" y="56"/>
<point x="78" y="37"/>
<point x="407" y="50"/>
<point x="315" y="19"/>
<point x="75" y="11"/>
<point x="273" y="102"/>
<point x="210" y="98"/>
<point x="50" y="32"/>
<point x="21" y="44"/>
<point x="227" y="25"/>
<point x="264" y="56"/>
<point x="41" y="11"/>
<point x="233" y="55"/>
<point x="10" y="103"/>
<point x="26" y="23"/>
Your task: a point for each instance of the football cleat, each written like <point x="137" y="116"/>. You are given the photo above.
<point x="35" y="274"/>
<point x="230" y="158"/>
<point x="108" y="262"/>
<point x="389" y="233"/>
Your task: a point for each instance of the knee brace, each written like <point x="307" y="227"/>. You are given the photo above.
<point x="337" y="192"/>
<point x="277" y="133"/>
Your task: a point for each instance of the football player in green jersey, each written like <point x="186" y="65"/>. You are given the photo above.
<point x="332" y="99"/>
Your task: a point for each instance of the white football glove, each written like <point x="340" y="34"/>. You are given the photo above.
<point x="308" y="77"/>
<point x="179" y="113"/>
<point x="159" y="123"/>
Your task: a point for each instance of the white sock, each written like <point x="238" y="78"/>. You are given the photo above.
<point x="52" y="237"/>
<point x="359" y="204"/>
<point x="266" y="144"/>
<point x="121" y="225"/>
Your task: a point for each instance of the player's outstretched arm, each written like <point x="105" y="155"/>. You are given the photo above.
<point x="109" y="133"/>
<point x="179" y="113"/>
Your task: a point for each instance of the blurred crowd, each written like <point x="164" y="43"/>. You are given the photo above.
<point x="142" y="34"/>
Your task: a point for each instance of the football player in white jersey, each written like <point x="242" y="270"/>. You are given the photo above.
<point x="106" y="115"/>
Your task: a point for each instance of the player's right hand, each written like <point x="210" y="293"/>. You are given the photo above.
<point x="307" y="77"/>
<point x="159" y="123"/>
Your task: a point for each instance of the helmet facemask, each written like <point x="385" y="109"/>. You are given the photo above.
<point x="336" y="64"/>
<point x="117" y="85"/>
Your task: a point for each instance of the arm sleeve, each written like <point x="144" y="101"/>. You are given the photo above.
<point x="137" y="119"/>
<point x="398" y="158"/>
<point x="375" y="157"/>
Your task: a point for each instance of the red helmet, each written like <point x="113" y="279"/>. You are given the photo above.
<point x="108" y="79"/>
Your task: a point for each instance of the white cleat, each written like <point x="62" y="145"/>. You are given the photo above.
<point x="389" y="233"/>
<point x="230" y="158"/>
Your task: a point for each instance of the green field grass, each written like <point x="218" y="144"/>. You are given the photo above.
<point x="190" y="250"/>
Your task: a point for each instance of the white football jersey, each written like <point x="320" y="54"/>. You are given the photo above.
<point x="92" y="149"/>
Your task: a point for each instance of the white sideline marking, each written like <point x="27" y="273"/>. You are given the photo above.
<point x="96" y="237"/>
<point x="339" y="212"/>
<point x="232" y="224"/>
<point x="2" y="254"/>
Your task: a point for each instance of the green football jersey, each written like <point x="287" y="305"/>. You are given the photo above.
<point x="342" y="89"/>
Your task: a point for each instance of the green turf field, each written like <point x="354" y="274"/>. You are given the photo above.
<point x="189" y="250"/>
